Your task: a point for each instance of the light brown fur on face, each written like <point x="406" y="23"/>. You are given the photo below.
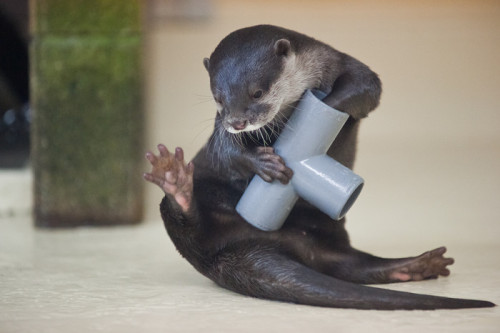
<point x="301" y="71"/>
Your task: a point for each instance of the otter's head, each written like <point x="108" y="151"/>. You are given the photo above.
<point x="252" y="80"/>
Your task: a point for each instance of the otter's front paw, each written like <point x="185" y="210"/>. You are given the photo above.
<point x="172" y="175"/>
<point x="270" y="166"/>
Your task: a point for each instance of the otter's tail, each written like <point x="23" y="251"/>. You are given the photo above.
<point x="265" y="274"/>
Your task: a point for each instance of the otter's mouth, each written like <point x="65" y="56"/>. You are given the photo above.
<point x="242" y="127"/>
<point x="267" y="115"/>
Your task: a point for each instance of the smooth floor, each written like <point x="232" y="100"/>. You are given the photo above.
<point x="131" y="279"/>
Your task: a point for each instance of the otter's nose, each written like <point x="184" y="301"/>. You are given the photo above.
<point x="238" y="124"/>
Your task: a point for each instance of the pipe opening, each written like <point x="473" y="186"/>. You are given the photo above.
<point x="351" y="200"/>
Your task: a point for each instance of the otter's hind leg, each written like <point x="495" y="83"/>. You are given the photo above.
<point x="261" y="270"/>
<point x="359" y="267"/>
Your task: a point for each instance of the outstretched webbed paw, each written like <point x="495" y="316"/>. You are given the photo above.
<point x="172" y="175"/>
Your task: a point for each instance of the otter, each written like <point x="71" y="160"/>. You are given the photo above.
<point x="257" y="76"/>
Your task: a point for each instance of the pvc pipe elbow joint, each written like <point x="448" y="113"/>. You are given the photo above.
<point x="318" y="178"/>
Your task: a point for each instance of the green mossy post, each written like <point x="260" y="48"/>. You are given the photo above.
<point x="87" y="129"/>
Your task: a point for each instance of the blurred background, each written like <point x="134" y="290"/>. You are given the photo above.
<point x="14" y="84"/>
<point x="430" y="157"/>
<point x="430" y="154"/>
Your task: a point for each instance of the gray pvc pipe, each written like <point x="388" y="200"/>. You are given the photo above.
<point x="318" y="179"/>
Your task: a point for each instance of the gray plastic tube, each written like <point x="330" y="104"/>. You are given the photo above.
<point x="318" y="179"/>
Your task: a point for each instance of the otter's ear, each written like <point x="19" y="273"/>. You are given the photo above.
<point x="282" y="47"/>
<point x="206" y="62"/>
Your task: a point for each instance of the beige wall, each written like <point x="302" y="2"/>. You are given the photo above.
<point x="438" y="61"/>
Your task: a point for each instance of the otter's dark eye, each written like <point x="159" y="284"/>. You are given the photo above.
<point x="258" y="94"/>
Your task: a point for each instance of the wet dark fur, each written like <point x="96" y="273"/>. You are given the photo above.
<point x="309" y="260"/>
